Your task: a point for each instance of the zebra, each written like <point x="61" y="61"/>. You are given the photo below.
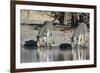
<point x="45" y="34"/>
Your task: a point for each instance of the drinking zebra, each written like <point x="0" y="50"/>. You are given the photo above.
<point x="44" y="37"/>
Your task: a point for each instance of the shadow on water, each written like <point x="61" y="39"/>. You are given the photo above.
<point x="31" y="44"/>
<point x="65" y="46"/>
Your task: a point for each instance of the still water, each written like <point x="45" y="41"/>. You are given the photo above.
<point x="53" y="54"/>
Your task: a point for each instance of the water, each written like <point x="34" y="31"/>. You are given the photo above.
<point x="53" y="54"/>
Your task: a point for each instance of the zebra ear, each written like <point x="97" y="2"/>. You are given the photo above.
<point x="71" y="39"/>
<point x="46" y="22"/>
<point x="37" y="36"/>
